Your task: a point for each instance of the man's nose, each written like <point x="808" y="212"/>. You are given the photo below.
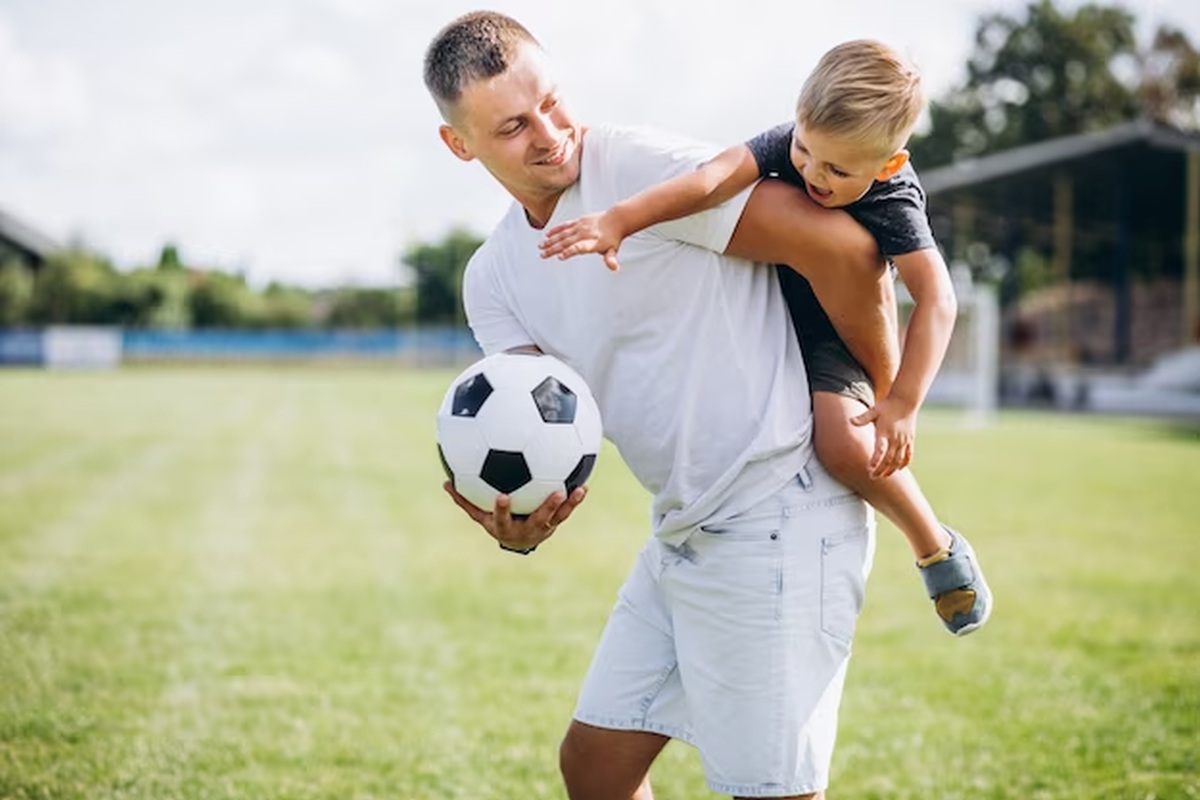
<point x="545" y="130"/>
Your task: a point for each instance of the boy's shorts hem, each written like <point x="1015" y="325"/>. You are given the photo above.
<point x="831" y="368"/>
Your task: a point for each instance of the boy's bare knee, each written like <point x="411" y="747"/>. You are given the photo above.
<point x="842" y="454"/>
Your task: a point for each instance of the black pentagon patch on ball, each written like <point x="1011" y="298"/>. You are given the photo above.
<point x="445" y="464"/>
<point x="581" y="473"/>
<point x="505" y="471"/>
<point x="555" y="402"/>
<point x="469" y="395"/>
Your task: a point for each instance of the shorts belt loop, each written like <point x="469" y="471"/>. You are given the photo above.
<point x="805" y="477"/>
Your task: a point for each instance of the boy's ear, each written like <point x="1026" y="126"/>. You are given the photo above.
<point x="893" y="165"/>
<point x="455" y="142"/>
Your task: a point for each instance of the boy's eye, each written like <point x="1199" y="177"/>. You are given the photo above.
<point x="839" y="173"/>
<point x="510" y="129"/>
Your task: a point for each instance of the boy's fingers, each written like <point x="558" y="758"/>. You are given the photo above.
<point x="881" y="446"/>
<point x="864" y="418"/>
<point x="559" y="230"/>
<point x="576" y="249"/>
<point x="610" y="261"/>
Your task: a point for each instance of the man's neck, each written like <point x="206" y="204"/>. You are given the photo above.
<point x="539" y="210"/>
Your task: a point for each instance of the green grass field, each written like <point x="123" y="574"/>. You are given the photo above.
<point x="247" y="583"/>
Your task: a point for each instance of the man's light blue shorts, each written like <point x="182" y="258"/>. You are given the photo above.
<point x="737" y="641"/>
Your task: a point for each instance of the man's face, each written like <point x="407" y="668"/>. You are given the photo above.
<point x="519" y="129"/>
<point x="836" y="172"/>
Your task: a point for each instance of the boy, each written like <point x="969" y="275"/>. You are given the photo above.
<point x="846" y="150"/>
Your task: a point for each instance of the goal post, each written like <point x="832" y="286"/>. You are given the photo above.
<point x="969" y="377"/>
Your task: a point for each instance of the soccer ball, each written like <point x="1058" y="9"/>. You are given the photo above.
<point x="520" y="424"/>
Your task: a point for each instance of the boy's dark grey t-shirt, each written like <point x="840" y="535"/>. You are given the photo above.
<point x="892" y="211"/>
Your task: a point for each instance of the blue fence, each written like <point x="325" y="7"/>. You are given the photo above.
<point x="21" y="347"/>
<point x="424" y="346"/>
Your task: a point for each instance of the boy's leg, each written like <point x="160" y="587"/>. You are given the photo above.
<point x="845" y="450"/>
<point x="947" y="563"/>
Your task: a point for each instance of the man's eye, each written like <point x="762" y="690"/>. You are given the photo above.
<point x="510" y="130"/>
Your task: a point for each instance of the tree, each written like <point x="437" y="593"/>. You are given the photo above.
<point x="370" y="308"/>
<point x="439" y="268"/>
<point x="74" y="286"/>
<point x="16" y="292"/>
<point x="286" y="307"/>
<point x="1169" y="80"/>
<point x="1053" y="74"/>
<point x="220" y="300"/>
<point x="168" y="259"/>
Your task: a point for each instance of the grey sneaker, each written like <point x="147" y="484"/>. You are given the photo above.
<point x="957" y="587"/>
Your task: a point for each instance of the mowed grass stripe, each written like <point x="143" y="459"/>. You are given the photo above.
<point x="280" y="602"/>
<point x="95" y="646"/>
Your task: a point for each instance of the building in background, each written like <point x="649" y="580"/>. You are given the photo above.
<point x="1094" y="241"/>
<point x="21" y="241"/>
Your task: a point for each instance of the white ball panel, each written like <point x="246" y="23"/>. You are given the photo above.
<point x="554" y="452"/>
<point x="527" y="499"/>
<point x="509" y="419"/>
<point x="476" y="490"/>
<point x="462" y="444"/>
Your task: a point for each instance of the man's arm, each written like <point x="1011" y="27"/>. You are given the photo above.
<point x="780" y="224"/>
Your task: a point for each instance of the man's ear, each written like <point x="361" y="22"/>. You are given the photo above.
<point x="893" y="165"/>
<point x="455" y="143"/>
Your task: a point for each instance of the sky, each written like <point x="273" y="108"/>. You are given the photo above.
<point x="293" y="140"/>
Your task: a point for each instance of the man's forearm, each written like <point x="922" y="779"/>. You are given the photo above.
<point x="839" y="258"/>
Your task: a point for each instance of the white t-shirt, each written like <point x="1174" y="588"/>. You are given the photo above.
<point x="690" y="354"/>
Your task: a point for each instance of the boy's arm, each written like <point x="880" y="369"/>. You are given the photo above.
<point x="780" y="224"/>
<point x="707" y="186"/>
<point x="927" y="335"/>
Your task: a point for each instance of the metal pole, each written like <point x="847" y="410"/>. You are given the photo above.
<point x="1191" y="252"/>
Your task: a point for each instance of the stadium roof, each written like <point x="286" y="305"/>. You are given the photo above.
<point x="1055" y="152"/>
<point x="1115" y="206"/>
<point x="19" y="236"/>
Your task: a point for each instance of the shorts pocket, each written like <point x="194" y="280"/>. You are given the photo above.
<point x="844" y="558"/>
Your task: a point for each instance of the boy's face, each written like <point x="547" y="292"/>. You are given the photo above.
<point x="836" y="171"/>
<point x="518" y="128"/>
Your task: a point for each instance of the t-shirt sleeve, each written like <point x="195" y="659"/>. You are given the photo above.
<point x="894" y="212"/>
<point x="772" y="149"/>
<point x="489" y="315"/>
<point x="640" y="158"/>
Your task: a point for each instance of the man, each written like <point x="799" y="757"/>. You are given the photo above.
<point x="733" y="629"/>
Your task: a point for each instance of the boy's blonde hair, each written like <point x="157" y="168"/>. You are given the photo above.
<point x="864" y="91"/>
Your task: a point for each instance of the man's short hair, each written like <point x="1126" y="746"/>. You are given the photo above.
<point x="864" y="91"/>
<point x="473" y="47"/>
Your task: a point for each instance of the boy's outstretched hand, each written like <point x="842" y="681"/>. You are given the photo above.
<point x="895" y="432"/>
<point x="592" y="233"/>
